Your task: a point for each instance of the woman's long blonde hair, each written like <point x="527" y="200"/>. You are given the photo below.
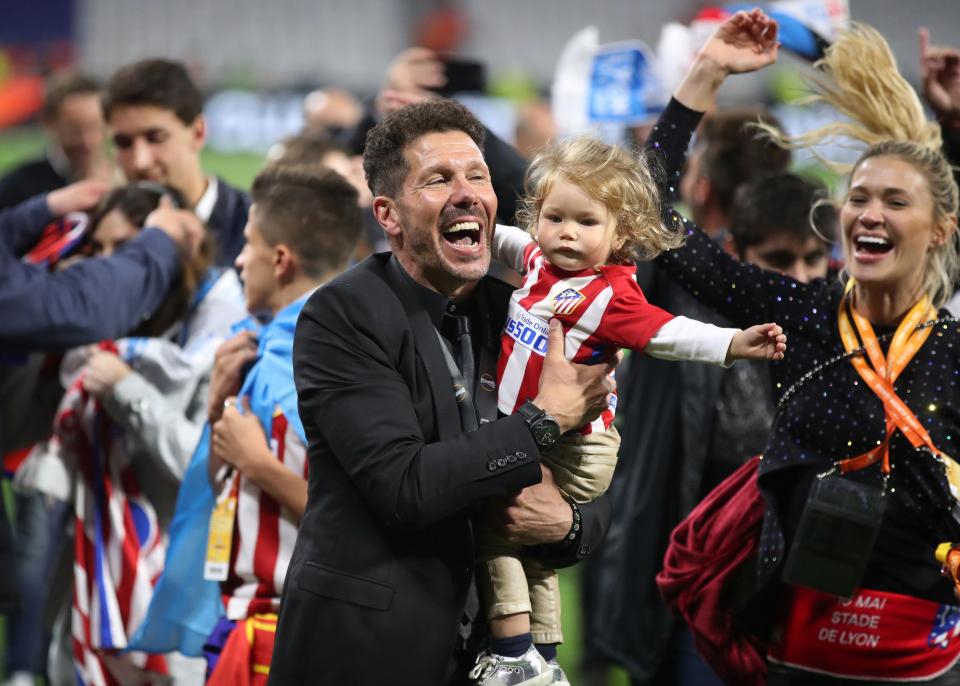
<point x="859" y="77"/>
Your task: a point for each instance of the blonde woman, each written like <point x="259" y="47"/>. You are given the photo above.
<point x="856" y="472"/>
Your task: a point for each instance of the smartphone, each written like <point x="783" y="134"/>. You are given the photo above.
<point x="463" y="76"/>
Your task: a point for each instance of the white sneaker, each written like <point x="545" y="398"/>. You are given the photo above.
<point x="559" y="678"/>
<point x="530" y="669"/>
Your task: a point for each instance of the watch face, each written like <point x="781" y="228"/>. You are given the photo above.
<point x="545" y="434"/>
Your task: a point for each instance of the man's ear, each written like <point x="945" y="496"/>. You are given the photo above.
<point x="198" y="131"/>
<point x="385" y="210"/>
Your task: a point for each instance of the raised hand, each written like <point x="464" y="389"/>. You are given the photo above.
<point x="77" y="197"/>
<point x="183" y="226"/>
<point x="760" y="342"/>
<point x="940" y="72"/>
<point x="745" y="42"/>
<point x="409" y="77"/>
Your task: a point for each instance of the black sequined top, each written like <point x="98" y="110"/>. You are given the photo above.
<point x="829" y="413"/>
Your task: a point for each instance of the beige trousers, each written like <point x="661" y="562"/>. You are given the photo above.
<point x="510" y="583"/>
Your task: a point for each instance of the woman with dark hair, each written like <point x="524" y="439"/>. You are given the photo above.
<point x="123" y="437"/>
<point x="857" y="477"/>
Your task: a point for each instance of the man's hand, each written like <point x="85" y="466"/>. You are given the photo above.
<point x="940" y="72"/>
<point x="183" y="226"/>
<point x="760" y="342"/>
<point x="537" y="514"/>
<point x="745" y="42"/>
<point x="77" y="197"/>
<point x="411" y="74"/>
<point x="238" y="439"/>
<point x="103" y="371"/>
<point x="575" y="394"/>
<point x="229" y="366"/>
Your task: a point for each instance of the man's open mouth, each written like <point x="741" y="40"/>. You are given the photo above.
<point x="462" y="234"/>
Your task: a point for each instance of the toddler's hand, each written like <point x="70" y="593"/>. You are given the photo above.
<point x="760" y="342"/>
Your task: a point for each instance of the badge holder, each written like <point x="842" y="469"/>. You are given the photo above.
<point x="836" y="534"/>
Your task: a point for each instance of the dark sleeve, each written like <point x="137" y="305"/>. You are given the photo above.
<point x="22" y="225"/>
<point x="595" y="520"/>
<point x="88" y="302"/>
<point x="355" y="403"/>
<point x="741" y="292"/>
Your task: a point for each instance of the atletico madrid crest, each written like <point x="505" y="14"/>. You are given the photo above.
<point x="567" y="301"/>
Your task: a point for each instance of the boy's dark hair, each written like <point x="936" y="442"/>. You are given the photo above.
<point x="734" y="151"/>
<point x="778" y="203"/>
<point x="384" y="162"/>
<point x="155" y="82"/>
<point x="61" y="87"/>
<point x="312" y="210"/>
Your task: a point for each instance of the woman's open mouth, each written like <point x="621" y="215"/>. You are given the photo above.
<point x="867" y="248"/>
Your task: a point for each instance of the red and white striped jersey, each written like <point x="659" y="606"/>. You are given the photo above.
<point x="264" y="534"/>
<point x="601" y="310"/>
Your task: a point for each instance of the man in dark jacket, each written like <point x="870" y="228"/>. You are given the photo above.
<point x="399" y="406"/>
<point x="76" y="142"/>
<point x="155" y="115"/>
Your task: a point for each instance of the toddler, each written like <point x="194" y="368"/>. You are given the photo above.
<point x="590" y="210"/>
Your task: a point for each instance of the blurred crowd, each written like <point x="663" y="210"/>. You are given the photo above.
<point x="147" y="319"/>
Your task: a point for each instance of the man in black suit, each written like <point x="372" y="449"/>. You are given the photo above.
<point x="155" y="115"/>
<point x="394" y="363"/>
<point x="76" y="142"/>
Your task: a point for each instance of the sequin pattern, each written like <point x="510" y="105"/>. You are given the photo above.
<point x="829" y="413"/>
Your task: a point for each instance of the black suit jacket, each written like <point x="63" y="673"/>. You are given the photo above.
<point x="377" y="585"/>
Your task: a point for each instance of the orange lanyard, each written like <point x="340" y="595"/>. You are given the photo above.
<point x="884" y="371"/>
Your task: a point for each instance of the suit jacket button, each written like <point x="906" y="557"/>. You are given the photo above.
<point x="491" y="465"/>
<point x="511" y="458"/>
<point x="502" y="462"/>
<point x="521" y="455"/>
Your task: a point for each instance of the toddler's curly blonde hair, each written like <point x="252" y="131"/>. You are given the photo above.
<point x="611" y="175"/>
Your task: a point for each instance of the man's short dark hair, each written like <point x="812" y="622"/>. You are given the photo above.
<point x="778" y="203"/>
<point x="734" y="151"/>
<point x="305" y="148"/>
<point x="311" y="210"/>
<point x="157" y="83"/>
<point x="384" y="162"/>
<point x="59" y="88"/>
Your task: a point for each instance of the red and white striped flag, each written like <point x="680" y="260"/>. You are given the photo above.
<point x="117" y="543"/>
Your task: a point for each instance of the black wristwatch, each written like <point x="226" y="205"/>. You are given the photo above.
<point x="543" y="426"/>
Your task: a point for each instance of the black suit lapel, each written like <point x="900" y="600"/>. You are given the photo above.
<point x="428" y="347"/>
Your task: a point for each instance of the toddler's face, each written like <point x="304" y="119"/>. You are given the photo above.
<point x="575" y="230"/>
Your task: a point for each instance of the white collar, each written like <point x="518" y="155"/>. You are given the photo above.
<point x="204" y="206"/>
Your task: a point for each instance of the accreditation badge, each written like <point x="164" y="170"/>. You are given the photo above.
<point x="836" y="534"/>
<point x="216" y="566"/>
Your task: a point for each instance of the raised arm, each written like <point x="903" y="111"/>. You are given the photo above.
<point x="740" y="292"/>
<point x="97" y="298"/>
